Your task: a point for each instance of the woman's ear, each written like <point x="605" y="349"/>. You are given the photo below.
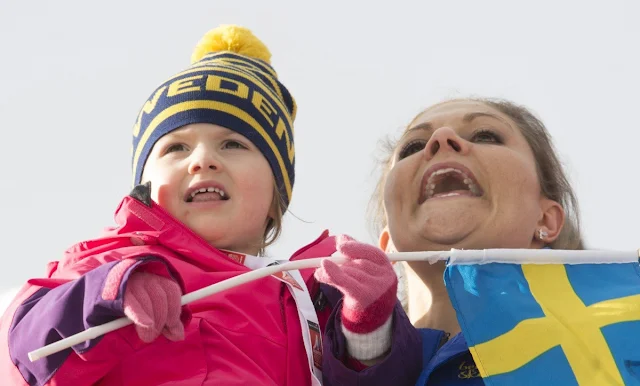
<point x="384" y="241"/>
<point x="551" y="222"/>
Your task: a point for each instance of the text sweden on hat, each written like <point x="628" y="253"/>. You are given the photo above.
<point x="221" y="84"/>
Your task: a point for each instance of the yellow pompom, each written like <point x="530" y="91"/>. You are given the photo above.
<point x="231" y="38"/>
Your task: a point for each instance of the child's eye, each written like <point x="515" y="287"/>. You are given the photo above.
<point x="486" y="136"/>
<point x="231" y="144"/>
<point x="175" y="147"/>
<point x="412" y="148"/>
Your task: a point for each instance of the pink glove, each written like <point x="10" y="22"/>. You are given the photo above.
<point x="152" y="302"/>
<point x="369" y="285"/>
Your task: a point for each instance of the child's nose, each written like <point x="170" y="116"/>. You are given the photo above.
<point x="203" y="160"/>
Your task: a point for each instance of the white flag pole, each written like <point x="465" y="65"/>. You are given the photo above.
<point x="455" y="256"/>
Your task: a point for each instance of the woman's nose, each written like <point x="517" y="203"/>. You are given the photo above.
<point x="445" y="139"/>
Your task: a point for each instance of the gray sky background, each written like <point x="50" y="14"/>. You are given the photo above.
<point x="74" y="74"/>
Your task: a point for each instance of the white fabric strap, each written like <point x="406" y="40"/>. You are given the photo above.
<point x="309" y="324"/>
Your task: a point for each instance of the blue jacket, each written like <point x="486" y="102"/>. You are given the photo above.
<point x="446" y="364"/>
<point x="417" y="356"/>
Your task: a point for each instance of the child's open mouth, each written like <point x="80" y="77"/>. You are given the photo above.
<point x="207" y="194"/>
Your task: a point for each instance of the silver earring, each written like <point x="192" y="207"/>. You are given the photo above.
<point x="542" y="234"/>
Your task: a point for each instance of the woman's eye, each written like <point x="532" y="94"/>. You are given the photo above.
<point x="233" y="145"/>
<point x="412" y="148"/>
<point x="486" y="136"/>
<point x="175" y="147"/>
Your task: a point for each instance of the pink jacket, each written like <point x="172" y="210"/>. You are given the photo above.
<point x="248" y="335"/>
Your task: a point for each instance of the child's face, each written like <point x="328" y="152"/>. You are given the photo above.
<point x="233" y="213"/>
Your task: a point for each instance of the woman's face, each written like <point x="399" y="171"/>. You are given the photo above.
<point x="463" y="176"/>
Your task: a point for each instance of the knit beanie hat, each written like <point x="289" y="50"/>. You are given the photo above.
<point x="230" y="83"/>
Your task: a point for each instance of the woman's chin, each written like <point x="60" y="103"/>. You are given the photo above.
<point x="434" y="239"/>
<point x="450" y="231"/>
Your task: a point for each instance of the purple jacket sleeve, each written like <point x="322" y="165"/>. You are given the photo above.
<point x="401" y="366"/>
<point x="52" y="314"/>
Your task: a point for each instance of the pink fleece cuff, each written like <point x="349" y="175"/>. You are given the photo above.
<point x="363" y="321"/>
<point x="117" y="274"/>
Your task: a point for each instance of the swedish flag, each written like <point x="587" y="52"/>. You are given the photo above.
<point x="550" y="324"/>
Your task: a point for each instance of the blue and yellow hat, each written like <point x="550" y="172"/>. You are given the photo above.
<point x="230" y="83"/>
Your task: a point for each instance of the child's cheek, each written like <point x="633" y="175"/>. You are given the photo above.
<point x="162" y="195"/>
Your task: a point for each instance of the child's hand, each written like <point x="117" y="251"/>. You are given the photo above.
<point x="369" y="284"/>
<point x="152" y="302"/>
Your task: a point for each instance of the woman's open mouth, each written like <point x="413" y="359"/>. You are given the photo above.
<point x="449" y="180"/>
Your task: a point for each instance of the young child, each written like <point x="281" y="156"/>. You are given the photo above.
<point x="213" y="169"/>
